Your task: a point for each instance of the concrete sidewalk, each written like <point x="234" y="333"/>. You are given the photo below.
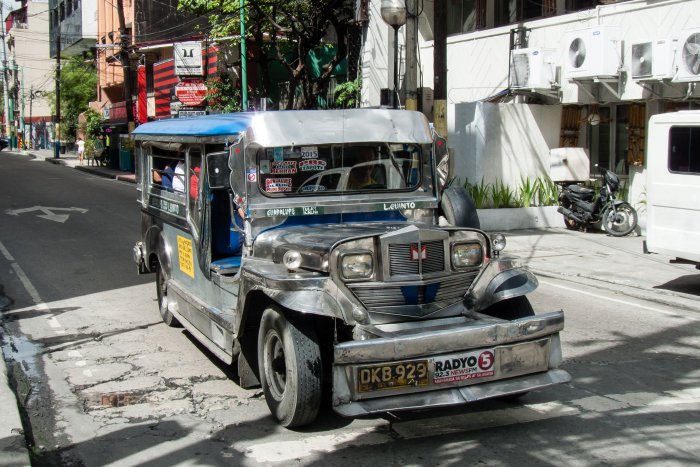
<point x="71" y="160"/>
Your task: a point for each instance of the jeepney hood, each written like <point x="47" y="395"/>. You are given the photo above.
<point x="315" y="242"/>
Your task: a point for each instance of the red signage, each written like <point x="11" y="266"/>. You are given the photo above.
<point x="191" y="92"/>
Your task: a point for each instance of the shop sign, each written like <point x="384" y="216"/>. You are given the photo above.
<point x="188" y="59"/>
<point x="191" y="92"/>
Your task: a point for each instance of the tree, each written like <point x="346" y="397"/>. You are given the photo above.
<point x="78" y="88"/>
<point x="290" y="30"/>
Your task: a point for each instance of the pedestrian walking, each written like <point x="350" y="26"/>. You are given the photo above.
<point x="81" y="150"/>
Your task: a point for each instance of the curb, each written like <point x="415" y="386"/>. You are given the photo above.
<point x="661" y="297"/>
<point x="13" y="445"/>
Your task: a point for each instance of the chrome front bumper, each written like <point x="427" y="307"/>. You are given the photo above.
<point x="527" y="352"/>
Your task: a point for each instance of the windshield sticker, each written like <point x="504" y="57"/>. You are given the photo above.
<point x="279" y="154"/>
<point x="277" y="185"/>
<point x="309" y="152"/>
<point x="251" y="175"/>
<point x="312" y="188"/>
<point x="399" y="206"/>
<point x="312" y="165"/>
<point x="283" y="167"/>
<point x="303" y="211"/>
<point x="264" y="166"/>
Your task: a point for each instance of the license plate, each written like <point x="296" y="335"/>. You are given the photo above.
<point x="392" y="376"/>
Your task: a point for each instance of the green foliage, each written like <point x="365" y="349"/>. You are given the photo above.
<point x="93" y="124"/>
<point x="547" y="192"/>
<point x="479" y="193"/>
<point x="347" y="94"/>
<point x="289" y="31"/>
<point x="527" y="191"/>
<point x="223" y="95"/>
<point x="78" y="88"/>
<point x="502" y="195"/>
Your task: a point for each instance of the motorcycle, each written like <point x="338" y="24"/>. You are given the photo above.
<point x="582" y="211"/>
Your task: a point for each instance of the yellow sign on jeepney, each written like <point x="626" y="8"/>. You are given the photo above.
<point x="184" y="254"/>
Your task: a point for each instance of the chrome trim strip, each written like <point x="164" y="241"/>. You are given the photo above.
<point x="453" y="396"/>
<point x="452" y="340"/>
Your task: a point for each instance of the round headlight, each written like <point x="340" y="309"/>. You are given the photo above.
<point x="498" y="241"/>
<point x="466" y="255"/>
<point x="292" y="260"/>
<point x="356" y="266"/>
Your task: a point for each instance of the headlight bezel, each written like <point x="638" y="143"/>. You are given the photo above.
<point x="347" y="256"/>
<point x="478" y="260"/>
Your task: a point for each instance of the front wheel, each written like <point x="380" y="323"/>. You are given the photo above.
<point x="289" y="360"/>
<point x="620" y="220"/>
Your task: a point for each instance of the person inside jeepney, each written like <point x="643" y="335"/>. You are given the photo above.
<point x="179" y="177"/>
<point x="164" y="176"/>
<point x="364" y="173"/>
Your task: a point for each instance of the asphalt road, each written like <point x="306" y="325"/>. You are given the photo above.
<point x="106" y="383"/>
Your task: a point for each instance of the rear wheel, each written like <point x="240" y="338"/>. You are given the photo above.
<point x="289" y="360"/>
<point x="162" y="292"/>
<point x="621" y="220"/>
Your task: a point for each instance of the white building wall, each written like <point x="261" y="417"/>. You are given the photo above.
<point x="31" y="53"/>
<point x="478" y="62"/>
<point x="502" y="142"/>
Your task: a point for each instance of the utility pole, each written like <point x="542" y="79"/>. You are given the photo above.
<point x="30" y="145"/>
<point x="126" y="66"/>
<point x="57" y="125"/>
<point x="5" y="84"/>
<point x="244" y="64"/>
<point x="440" y="68"/>
<point x="411" y="76"/>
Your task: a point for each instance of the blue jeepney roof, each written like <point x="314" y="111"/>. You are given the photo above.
<point x="208" y="125"/>
<point x="297" y="127"/>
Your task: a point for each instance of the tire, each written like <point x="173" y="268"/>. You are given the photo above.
<point x="571" y="224"/>
<point x="162" y="293"/>
<point x="459" y="208"/>
<point x="621" y="220"/>
<point x="511" y="308"/>
<point x="289" y="361"/>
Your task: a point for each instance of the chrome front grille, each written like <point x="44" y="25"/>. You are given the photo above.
<point x="448" y="290"/>
<point x="414" y="258"/>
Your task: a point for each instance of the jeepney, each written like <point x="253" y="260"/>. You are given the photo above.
<point x="305" y="247"/>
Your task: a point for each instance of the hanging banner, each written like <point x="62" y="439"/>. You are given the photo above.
<point x="188" y="59"/>
<point x="141" y="105"/>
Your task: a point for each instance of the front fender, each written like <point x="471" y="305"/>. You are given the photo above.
<point x="502" y="279"/>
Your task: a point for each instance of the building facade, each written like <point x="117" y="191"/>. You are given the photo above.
<point x="30" y="73"/>
<point x="526" y="77"/>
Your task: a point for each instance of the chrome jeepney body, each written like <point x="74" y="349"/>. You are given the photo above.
<point x="403" y="313"/>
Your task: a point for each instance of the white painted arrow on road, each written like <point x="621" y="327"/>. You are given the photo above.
<point x="48" y="213"/>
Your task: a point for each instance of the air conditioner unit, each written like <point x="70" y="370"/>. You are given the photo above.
<point x="688" y="62"/>
<point x="654" y="60"/>
<point x="592" y="53"/>
<point x="532" y="68"/>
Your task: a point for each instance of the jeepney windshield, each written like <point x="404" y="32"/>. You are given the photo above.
<point x="340" y="168"/>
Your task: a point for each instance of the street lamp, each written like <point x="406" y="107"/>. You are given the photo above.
<point x="394" y="14"/>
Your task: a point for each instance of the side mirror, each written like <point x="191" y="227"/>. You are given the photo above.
<point x="218" y="171"/>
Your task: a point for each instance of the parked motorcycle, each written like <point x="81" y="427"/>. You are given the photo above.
<point x="3" y="143"/>
<point x="582" y="211"/>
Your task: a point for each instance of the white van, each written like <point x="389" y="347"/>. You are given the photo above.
<point x="673" y="185"/>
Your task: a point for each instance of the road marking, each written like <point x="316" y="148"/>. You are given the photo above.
<point x="48" y="212"/>
<point x="31" y="290"/>
<point x="622" y="302"/>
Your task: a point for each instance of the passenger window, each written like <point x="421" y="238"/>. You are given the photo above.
<point x="684" y="150"/>
<point x="194" y="184"/>
<point x="164" y="166"/>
